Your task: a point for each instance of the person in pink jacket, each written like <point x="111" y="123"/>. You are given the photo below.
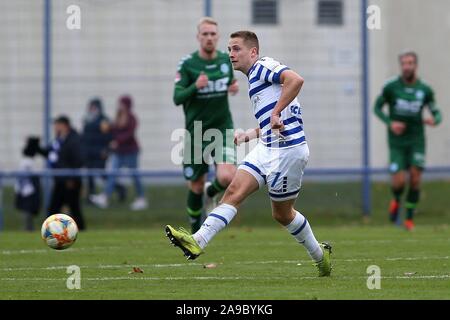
<point x="124" y="153"/>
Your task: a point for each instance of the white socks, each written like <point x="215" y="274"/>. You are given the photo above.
<point x="222" y="215"/>
<point x="218" y="219"/>
<point x="300" y="229"/>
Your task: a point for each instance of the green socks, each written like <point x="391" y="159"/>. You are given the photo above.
<point x="194" y="210"/>
<point x="214" y="189"/>
<point x="411" y="203"/>
<point x="397" y="193"/>
<point x="195" y="204"/>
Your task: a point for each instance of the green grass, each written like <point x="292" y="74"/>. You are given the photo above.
<point x="256" y="259"/>
<point x="260" y="263"/>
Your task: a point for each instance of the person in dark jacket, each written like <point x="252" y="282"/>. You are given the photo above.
<point x="125" y="151"/>
<point x="95" y="141"/>
<point x="28" y="188"/>
<point x="65" y="153"/>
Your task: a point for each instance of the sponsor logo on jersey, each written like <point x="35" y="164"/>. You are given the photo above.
<point x="295" y="109"/>
<point x="211" y="66"/>
<point x="406" y="107"/>
<point x="219" y="85"/>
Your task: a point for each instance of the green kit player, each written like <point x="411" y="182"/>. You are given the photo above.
<point x="406" y="97"/>
<point x="203" y="81"/>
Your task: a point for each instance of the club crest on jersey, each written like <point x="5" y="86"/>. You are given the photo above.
<point x="224" y="68"/>
<point x="420" y="95"/>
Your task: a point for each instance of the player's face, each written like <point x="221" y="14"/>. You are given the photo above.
<point x="408" y="65"/>
<point x="208" y="36"/>
<point x="240" y="55"/>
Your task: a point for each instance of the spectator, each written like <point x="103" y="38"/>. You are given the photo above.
<point x="28" y="188"/>
<point x="65" y="153"/>
<point x="95" y="141"/>
<point x="125" y="151"/>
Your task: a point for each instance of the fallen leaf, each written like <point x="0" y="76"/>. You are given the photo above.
<point x="136" y="270"/>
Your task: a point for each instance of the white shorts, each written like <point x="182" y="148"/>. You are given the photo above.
<point x="280" y="169"/>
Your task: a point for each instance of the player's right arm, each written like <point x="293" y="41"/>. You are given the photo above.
<point x="378" y="107"/>
<point x="396" y="127"/>
<point x="185" y="87"/>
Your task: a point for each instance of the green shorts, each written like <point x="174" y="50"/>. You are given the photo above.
<point x="199" y="155"/>
<point x="403" y="157"/>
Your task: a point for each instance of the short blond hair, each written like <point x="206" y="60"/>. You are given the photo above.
<point x="207" y="20"/>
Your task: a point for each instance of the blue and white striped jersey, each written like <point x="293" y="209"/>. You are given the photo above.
<point x="264" y="91"/>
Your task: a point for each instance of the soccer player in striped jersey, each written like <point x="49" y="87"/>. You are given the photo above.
<point x="278" y="160"/>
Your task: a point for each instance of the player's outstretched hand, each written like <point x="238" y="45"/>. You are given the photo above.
<point x="398" y="127"/>
<point x="240" y="137"/>
<point x="233" y="89"/>
<point x="430" y="122"/>
<point x="202" y="81"/>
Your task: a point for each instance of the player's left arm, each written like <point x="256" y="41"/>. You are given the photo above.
<point x="233" y="88"/>
<point x="437" y="116"/>
<point x="291" y="83"/>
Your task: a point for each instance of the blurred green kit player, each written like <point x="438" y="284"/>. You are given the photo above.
<point x="203" y="81"/>
<point x="406" y="96"/>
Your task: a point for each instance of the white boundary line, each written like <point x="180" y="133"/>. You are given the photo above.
<point x="444" y="276"/>
<point x="191" y="264"/>
<point x="45" y="250"/>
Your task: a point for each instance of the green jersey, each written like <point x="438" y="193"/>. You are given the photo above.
<point x="406" y="103"/>
<point x="209" y="104"/>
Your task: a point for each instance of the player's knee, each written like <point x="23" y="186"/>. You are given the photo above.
<point x="398" y="181"/>
<point x="197" y="186"/>
<point x="226" y="178"/>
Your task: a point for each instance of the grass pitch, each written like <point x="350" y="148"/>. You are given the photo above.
<point x="254" y="258"/>
<point x="260" y="263"/>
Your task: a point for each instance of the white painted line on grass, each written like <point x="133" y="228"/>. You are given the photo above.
<point x="193" y="264"/>
<point x="262" y="278"/>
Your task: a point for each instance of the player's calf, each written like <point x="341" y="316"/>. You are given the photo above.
<point x="300" y="229"/>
